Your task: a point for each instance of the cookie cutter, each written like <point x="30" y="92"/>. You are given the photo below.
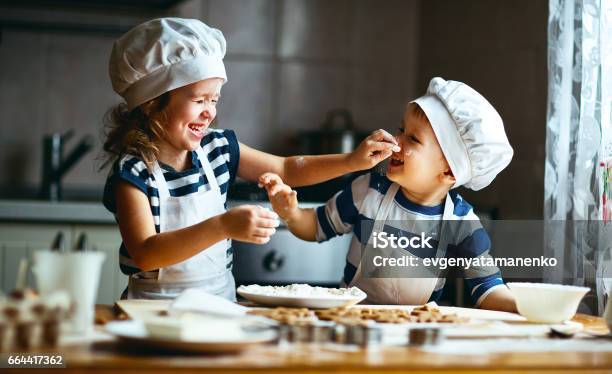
<point x="363" y="336"/>
<point x="425" y="336"/>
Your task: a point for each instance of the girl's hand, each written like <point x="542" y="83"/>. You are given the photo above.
<point x="249" y="223"/>
<point x="283" y="198"/>
<point x="372" y="150"/>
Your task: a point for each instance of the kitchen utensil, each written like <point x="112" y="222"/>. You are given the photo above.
<point x="547" y="303"/>
<point x="323" y="332"/>
<point x="336" y="134"/>
<point x="425" y="336"/>
<point x="363" y="336"/>
<point x="59" y="243"/>
<point x="82" y="243"/>
<point x="307" y="332"/>
<point x="75" y="272"/>
<point x="136" y="334"/>
<point x="300" y="332"/>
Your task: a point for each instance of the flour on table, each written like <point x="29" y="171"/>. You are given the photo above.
<point x="301" y="290"/>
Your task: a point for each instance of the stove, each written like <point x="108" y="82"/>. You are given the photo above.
<point x="286" y="259"/>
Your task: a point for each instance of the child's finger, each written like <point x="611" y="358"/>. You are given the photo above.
<point x="291" y="196"/>
<point x="269" y="185"/>
<point x="264" y="232"/>
<point x="268" y="223"/>
<point x="279" y="188"/>
<point x="265" y="183"/>
<point x="265" y="178"/>
<point x="270" y="177"/>
<point x="381" y="134"/>
<point x="383" y="155"/>
<point x="259" y="240"/>
<point x="273" y="190"/>
<point x="384" y="147"/>
<point x="267" y="213"/>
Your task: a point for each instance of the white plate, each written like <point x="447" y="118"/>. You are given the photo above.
<point x="134" y="332"/>
<point x="302" y="302"/>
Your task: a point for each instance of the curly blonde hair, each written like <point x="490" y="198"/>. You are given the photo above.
<point x="135" y="131"/>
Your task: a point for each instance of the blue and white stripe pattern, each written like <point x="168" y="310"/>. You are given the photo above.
<point x="222" y="150"/>
<point x="347" y="211"/>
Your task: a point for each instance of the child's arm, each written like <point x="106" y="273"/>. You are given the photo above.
<point x="301" y="222"/>
<point x="150" y="250"/>
<point x="483" y="283"/>
<point x="304" y="170"/>
<point x="500" y="299"/>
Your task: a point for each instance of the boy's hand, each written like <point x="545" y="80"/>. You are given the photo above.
<point x="372" y="150"/>
<point x="249" y="223"/>
<point x="283" y="198"/>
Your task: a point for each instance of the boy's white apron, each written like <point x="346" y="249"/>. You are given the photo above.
<point x="400" y="291"/>
<point x="209" y="269"/>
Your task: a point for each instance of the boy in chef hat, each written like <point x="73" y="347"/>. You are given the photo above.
<point x="450" y="137"/>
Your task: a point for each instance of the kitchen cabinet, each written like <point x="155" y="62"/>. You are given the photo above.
<point x="19" y="240"/>
<point x="22" y="240"/>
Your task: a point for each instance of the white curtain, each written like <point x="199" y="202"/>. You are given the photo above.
<point x="578" y="143"/>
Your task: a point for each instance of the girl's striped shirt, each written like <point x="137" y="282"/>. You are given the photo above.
<point x="222" y="150"/>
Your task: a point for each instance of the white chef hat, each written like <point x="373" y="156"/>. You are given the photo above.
<point x="469" y="130"/>
<point x="163" y="54"/>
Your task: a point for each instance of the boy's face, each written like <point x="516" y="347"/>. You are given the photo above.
<point x="191" y="110"/>
<point x="420" y="166"/>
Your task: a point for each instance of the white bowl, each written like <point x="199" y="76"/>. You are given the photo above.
<point x="547" y="303"/>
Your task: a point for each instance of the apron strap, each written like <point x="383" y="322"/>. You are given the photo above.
<point x="385" y="207"/>
<point x="207" y="168"/>
<point x="445" y="230"/>
<point x="162" y="186"/>
<point x="447" y="217"/>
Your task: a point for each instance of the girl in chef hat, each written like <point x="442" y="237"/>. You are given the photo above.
<point x="171" y="171"/>
<point x="450" y="137"/>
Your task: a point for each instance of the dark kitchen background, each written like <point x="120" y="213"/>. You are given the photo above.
<point x="289" y="63"/>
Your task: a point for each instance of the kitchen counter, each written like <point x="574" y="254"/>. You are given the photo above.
<point x="77" y="212"/>
<point x="54" y="212"/>
<point x="110" y="355"/>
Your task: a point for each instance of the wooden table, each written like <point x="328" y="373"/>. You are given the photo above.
<point x="113" y="356"/>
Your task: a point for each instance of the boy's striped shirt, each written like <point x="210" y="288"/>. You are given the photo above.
<point x="359" y="202"/>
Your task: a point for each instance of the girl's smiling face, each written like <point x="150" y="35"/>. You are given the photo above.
<point x="190" y="111"/>
<point x="420" y="166"/>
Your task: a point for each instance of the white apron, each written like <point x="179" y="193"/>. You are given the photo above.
<point x="399" y="291"/>
<point x="208" y="270"/>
